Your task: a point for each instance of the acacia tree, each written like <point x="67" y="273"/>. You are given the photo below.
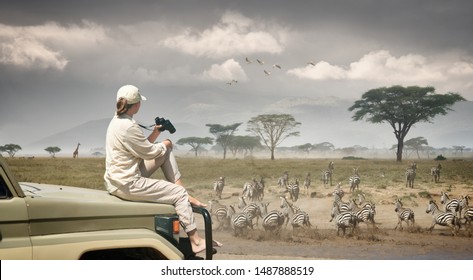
<point x="458" y="149"/>
<point x="223" y="134"/>
<point x="307" y="147"/>
<point x="402" y="107"/>
<point x="243" y="144"/>
<point x="324" y="147"/>
<point x="10" y="149"/>
<point x="53" y="150"/>
<point x="416" y="144"/>
<point x="272" y="129"/>
<point x="195" y="142"/>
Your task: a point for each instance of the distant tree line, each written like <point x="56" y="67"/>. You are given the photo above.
<point x="400" y="107"/>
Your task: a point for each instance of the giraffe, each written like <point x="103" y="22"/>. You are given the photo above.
<point x="76" y="152"/>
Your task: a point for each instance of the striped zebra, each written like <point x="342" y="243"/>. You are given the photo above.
<point x="464" y="202"/>
<point x="464" y="206"/>
<point x="435" y="173"/>
<point x="283" y="180"/>
<point x="307" y="182"/>
<point x="298" y="218"/>
<point x="259" y="189"/>
<point x="327" y="174"/>
<point x="442" y="218"/>
<point x="252" y="210"/>
<point x="451" y="205"/>
<point x="338" y="190"/>
<point x="362" y="200"/>
<point x="293" y="190"/>
<point x="249" y="190"/>
<point x="238" y="221"/>
<point x="273" y="221"/>
<point x="366" y="214"/>
<point x="219" y="212"/>
<point x="344" y="220"/>
<point x="341" y="206"/>
<point x="468" y="216"/>
<point x="344" y="206"/>
<point x="411" y="175"/>
<point x="403" y="214"/>
<point x="354" y="180"/>
<point x="218" y="187"/>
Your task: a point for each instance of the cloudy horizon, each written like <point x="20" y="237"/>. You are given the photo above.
<point x="61" y="62"/>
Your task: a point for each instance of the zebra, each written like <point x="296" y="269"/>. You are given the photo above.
<point x="273" y="221"/>
<point x="362" y="199"/>
<point x="218" y="187"/>
<point x="283" y="180"/>
<point x="307" y="183"/>
<point x="435" y="172"/>
<point x="338" y="190"/>
<point x="259" y="188"/>
<point x="464" y="203"/>
<point x="344" y="220"/>
<point x="442" y="218"/>
<point x="293" y="190"/>
<point x="411" y="175"/>
<point x="354" y="180"/>
<point x="297" y="218"/>
<point x="219" y="211"/>
<point x="327" y="174"/>
<point x="451" y="205"/>
<point x="239" y="221"/>
<point x="468" y="216"/>
<point x="252" y="210"/>
<point x="249" y="190"/>
<point x="366" y="214"/>
<point x="342" y="206"/>
<point x="403" y="214"/>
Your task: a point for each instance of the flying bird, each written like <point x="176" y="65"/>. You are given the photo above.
<point x="277" y="66"/>
<point x="260" y="61"/>
<point x="231" y="82"/>
<point x="267" y="72"/>
<point x="311" y="63"/>
<point x="248" y="60"/>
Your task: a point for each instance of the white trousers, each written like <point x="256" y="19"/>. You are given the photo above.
<point x="161" y="191"/>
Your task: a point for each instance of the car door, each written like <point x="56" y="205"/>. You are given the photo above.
<point x="15" y="241"/>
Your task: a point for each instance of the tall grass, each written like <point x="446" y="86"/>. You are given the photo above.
<point x="377" y="176"/>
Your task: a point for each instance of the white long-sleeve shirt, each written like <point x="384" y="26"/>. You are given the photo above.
<point x="126" y="146"/>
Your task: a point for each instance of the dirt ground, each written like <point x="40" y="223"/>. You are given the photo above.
<point x="381" y="242"/>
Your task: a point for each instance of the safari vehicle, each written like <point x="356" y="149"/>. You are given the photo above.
<point x="40" y="221"/>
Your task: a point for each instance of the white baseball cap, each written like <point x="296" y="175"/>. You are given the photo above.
<point x="130" y="93"/>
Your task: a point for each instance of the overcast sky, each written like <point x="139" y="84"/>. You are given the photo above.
<point x="61" y="62"/>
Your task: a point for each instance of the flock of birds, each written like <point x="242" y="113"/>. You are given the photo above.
<point x="265" y="71"/>
<point x="344" y="214"/>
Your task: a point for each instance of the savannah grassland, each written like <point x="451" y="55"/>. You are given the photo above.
<point x="382" y="181"/>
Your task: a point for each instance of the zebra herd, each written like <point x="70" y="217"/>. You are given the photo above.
<point x="345" y="214"/>
<point x="272" y="221"/>
<point x="411" y="174"/>
<point x="350" y="214"/>
<point x="451" y="216"/>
